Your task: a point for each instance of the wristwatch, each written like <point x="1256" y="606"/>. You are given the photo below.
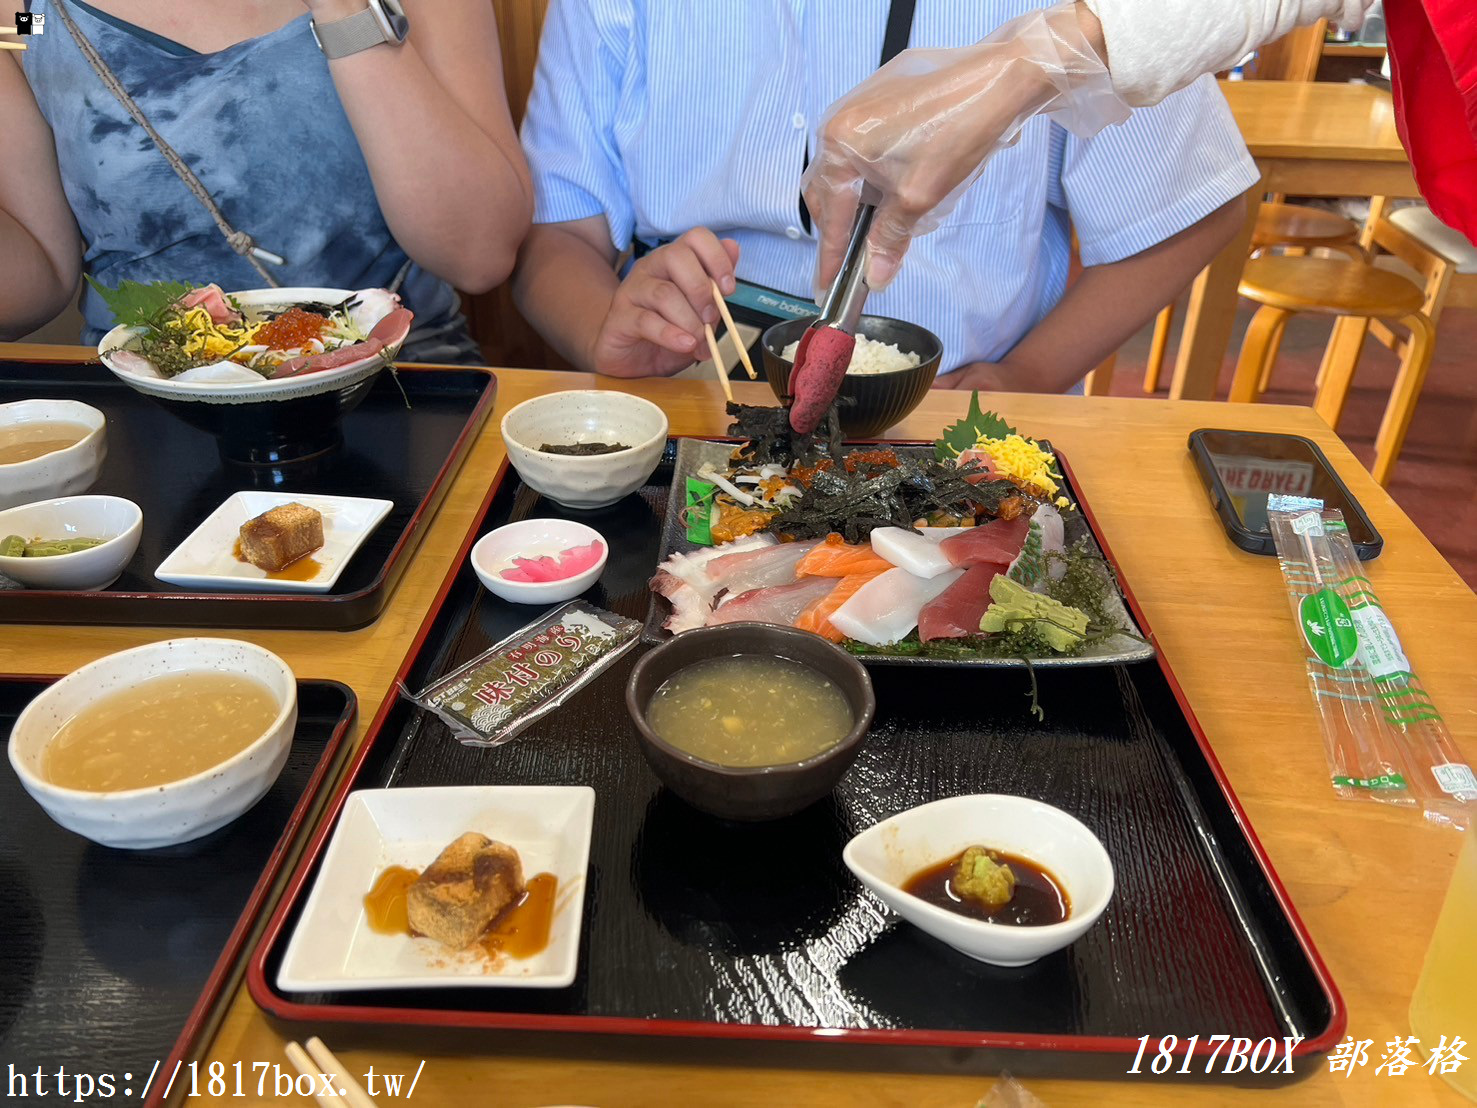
<point x="383" y="21"/>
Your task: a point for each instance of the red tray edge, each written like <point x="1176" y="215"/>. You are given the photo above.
<point x="389" y="573"/>
<point x="264" y="996"/>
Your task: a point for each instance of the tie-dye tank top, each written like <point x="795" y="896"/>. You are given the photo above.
<point x="261" y="125"/>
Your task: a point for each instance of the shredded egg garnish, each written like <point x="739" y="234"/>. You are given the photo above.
<point x="1022" y="460"/>
<point x="204" y="337"/>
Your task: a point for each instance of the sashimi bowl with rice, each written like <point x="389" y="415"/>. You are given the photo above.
<point x="270" y="372"/>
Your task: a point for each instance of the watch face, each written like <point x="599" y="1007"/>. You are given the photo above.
<point x="394" y="8"/>
<point x="391" y="17"/>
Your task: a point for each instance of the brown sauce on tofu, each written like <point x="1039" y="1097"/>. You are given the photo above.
<point x="384" y="905"/>
<point x="520" y="931"/>
<point x="304" y="569"/>
<point x="1038" y="898"/>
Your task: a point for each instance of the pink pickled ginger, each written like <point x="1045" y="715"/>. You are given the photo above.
<point x="567" y="563"/>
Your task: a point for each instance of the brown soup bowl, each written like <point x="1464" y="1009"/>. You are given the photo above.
<point x="750" y="793"/>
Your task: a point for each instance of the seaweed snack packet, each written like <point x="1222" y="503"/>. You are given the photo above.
<point x="490" y="699"/>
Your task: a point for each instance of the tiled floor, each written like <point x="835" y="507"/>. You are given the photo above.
<point x="1435" y="480"/>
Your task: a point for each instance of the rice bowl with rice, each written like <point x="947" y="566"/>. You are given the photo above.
<point x="869" y="358"/>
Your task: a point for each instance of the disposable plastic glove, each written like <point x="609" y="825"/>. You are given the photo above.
<point x="921" y="128"/>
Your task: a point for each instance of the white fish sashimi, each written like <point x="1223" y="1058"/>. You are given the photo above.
<point x="886" y="608"/>
<point x="918" y="554"/>
<point x="222" y="373"/>
<point x="780" y="604"/>
<point x="746" y="570"/>
<point x="1053" y="537"/>
<point x="371" y="306"/>
<point x="683" y="579"/>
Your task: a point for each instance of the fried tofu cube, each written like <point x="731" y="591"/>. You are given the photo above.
<point x="277" y="538"/>
<point x="467" y="887"/>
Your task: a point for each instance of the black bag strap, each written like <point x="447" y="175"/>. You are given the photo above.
<point x="895" y="36"/>
<point x="899" y="29"/>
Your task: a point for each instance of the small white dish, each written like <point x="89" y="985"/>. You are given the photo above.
<point x="72" y="469"/>
<point x="585" y="415"/>
<point x="207" y="559"/>
<point x="177" y="811"/>
<point x="117" y="521"/>
<point x="531" y="538"/>
<point x="333" y="947"/>
<point x="886" y="855"/>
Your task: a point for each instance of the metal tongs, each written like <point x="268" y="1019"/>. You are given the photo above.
<point x="826" y="346"/>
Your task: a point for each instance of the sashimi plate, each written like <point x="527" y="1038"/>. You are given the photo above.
<point x="695" y="454"/>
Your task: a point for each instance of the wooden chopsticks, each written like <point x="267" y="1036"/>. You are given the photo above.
<point x="733" y="330"/>
<point x="11" y="45"/>
<point x="342" y="1090"/>
<point x="718" y="366"/>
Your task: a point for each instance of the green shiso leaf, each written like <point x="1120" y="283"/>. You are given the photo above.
<point x="975" y="425"/>
<point x="138" y="304"/>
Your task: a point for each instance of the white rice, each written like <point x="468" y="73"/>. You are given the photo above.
<point x="869" y="357"/>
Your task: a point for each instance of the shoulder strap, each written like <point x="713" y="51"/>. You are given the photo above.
<point x="899" y="29"/>
<point x="239" y="241"/>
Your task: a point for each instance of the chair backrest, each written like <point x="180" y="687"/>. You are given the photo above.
<point x="1293" y="57"/>
<point x="505" y="336"/>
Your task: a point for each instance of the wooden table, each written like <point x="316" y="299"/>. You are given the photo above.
<point x="1309" y="138"/>
<point x="1221" y="619"/>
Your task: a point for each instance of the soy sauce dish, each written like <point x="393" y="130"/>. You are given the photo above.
<point x="943" y="868"/>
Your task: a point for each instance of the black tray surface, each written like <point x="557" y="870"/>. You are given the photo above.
<point x="104" y="952"/>
<point x="715" y="925"/>
<point x="175" y="474"/>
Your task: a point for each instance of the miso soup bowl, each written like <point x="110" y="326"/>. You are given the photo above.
<point x="585" y="415"/>
<point x="887" y="854"/>
<point x="177" y="811"/>
<point x="750" y="792"/>
<point x="62" y="472"/>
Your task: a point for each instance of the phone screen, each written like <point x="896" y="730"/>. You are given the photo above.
<point x="1254" y="466"/>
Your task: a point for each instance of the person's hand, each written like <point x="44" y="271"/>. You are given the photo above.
<point x="983" y="376"/>
<point x="655" y="323"/>
<point x="920" y="129"/>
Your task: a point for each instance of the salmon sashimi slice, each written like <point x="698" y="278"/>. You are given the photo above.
<point x="817" y="618"/>
<point x="836" y="557"/>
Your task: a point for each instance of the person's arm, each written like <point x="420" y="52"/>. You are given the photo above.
<point x="432" y="120"/>
<point x="1105" y="305"/>
<point x="919" y="130"/>
<point x="39" y="243"/>
<point x="650" y="323"/>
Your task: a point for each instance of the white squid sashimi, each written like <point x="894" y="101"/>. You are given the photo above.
<point x="1053" y="537"/>
<point x="371" y="307"/>
<point x="886" y="608"/>
<point x="917" y="553"/>
<point x="222" y="373"/>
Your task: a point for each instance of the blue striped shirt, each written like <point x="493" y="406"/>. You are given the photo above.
<point x="664" y="115"/>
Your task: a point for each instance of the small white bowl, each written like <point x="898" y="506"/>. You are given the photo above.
<point x="120" y="522"/>
<point x="62" y="472"/>
<point x="885" y="856"/>
<point x="178" y="811"/>
<point x="496" y="550"/>
<point x="585" y="415"/>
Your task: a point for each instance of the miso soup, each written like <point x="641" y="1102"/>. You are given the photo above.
<point x="160" y="730"/>
<point x="750" y="710"/>
<point x="36" y="440"/>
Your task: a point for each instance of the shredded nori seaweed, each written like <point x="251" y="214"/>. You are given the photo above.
<point x="772" y="439"/>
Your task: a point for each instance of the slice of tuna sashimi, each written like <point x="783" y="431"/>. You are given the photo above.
<point x="998" y="541"/>
<point x="834" y="557"/>
<point x="887" y="607"/>
<point x="817" y="618"/>
<point x="955" y="613"/>
<point x="780" y="604"/>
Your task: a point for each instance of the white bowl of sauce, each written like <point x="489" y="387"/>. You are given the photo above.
<point x="49" y="448"/>
<point x="160" y="744"/>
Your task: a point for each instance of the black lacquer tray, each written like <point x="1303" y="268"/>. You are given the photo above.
<point x="115" y="961"/>
<point x="698" y="928"/>
<point x="175" y="474"/>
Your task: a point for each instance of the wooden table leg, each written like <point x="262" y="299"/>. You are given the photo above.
<point x="1212" y="314"/>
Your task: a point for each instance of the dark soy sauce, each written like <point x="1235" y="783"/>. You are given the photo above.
<point x="1039" y="898"/>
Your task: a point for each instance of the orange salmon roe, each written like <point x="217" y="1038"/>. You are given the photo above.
<point x="292" y="328"/>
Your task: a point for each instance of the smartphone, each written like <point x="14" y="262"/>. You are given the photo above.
<point x="1242" y="468"/>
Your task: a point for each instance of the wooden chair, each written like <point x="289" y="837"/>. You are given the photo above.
<point x="1293" y="57"/>
<point x="1293" y="227"/>
<point x="1442" y="257"/>
<point x="1355" y="293"/>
